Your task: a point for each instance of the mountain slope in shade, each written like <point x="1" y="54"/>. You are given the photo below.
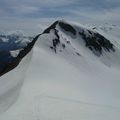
<point x="67" y="80"/>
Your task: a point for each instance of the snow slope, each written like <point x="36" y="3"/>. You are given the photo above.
<point x="67" y="80"/>
<point x="11" y="82"/>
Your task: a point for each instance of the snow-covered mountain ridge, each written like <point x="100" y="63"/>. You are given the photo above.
<point x="74" y="74"/>
<point x="94" y="41"/>
<point x="70" y="38"/>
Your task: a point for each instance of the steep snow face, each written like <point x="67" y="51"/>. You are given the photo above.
<point x="73" y="40"/>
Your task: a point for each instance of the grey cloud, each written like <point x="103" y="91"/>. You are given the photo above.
<point x="34" y="14"/>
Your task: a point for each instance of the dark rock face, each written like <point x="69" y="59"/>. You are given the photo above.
<point x="53" y="26"/>
<point x="67" y="27"/>
<point x="96" y="42"/>
<point x="63" y="25"/>
<point x="56" y="41"/>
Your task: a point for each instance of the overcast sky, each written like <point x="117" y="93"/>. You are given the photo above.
<point x="34" y="15"/>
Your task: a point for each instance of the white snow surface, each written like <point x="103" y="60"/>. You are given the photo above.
<point x="15" y="53"/>
<point x="66" y="86"/>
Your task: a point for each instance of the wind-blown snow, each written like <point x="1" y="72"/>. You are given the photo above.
<point x="69" y="84"/>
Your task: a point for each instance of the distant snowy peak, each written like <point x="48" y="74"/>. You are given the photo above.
<point x="13" y="40"/>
